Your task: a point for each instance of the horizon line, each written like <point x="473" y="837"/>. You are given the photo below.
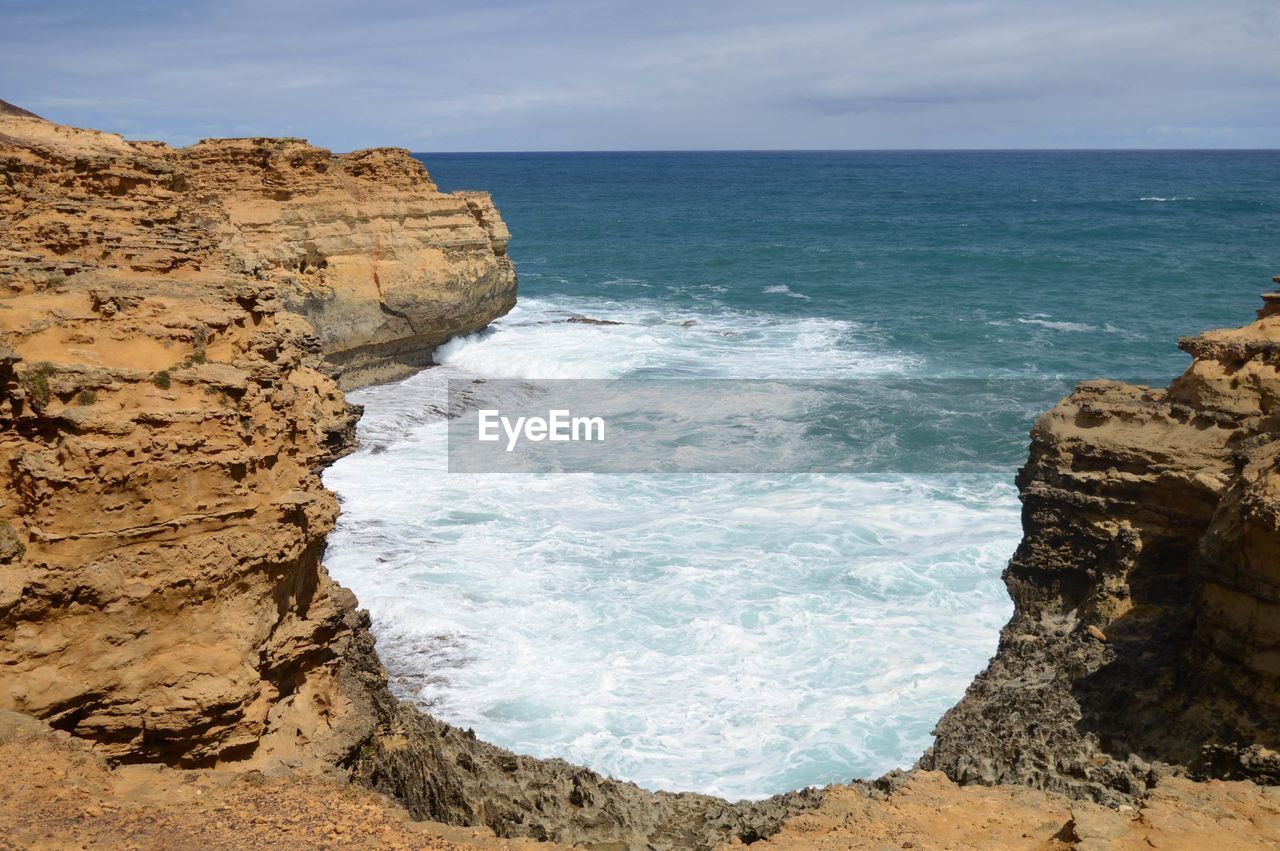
<point x="850" y="151"/>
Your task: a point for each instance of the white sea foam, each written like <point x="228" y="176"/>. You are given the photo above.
<point x="735" y="635"/>
<point x="1170" y="198"/>
<point x="783" y="289"/>
<point x="536" y="341"/>
<point x="1058" y="326"/>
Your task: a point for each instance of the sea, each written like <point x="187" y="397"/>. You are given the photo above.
<point x="750" y="633"/>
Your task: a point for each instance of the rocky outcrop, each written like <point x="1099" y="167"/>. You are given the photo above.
<point x="171" y="327"/>
<point x="382" y="265"/>
<point x="929" y="811"/>
<point x="164" y="417"/>
<point x="1146" y="630"/>
<point x="163" y="422"/>
<point x="64" y="795"/>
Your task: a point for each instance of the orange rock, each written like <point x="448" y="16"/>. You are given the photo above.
<point x="169" y="330"/>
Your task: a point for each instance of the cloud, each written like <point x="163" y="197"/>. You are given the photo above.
<point x="598" y="74"/>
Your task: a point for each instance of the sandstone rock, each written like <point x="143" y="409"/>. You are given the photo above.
<point x="1153" y="514"/>
<point x="1095" y="827"/>
<point x="929" y="811"/>
<point x="383" y="265"/>
<point x="163" y="422"/>
<point x="162" y="592"/>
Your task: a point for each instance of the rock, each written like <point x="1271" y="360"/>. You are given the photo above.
<point x="1152" y="515"/>
<point x="162" y="585"/>
<point x="168" y="429"/>
<point x="11" y="546"/>
<point x="1096" y="827"/>
<point x="579" y="319"/>
<point x="383" y="265"/>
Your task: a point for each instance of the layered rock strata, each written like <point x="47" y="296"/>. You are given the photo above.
<point x="1146" y="630"/>
<point x="383" y="265"/>
<point x="163" y="422"/>
<point x="175" y="327"/>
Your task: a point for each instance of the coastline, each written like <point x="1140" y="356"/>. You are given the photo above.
<point x="105" y="449"/>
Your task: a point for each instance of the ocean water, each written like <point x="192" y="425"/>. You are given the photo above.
<point x="747" y="634"/>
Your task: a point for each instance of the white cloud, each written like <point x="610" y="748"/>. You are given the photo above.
<point x="660" y="74"/>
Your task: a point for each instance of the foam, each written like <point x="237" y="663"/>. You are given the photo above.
<point x="735" y="635"/>
<point x="536" y="341"/>
<point x="1058" y="326"/>
<point x="783" y="289"/>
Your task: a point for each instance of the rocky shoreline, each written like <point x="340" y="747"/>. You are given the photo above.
<point x="176" y="330"/>
<point x="1144" y="634"/>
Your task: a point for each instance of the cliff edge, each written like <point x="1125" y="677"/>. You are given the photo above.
<point x="172" y="323"/>
<point x="1146" y="632"/>
<point x="175" y="330"/>
<point x="163" y="423"/>
<point x="382" y="265"/>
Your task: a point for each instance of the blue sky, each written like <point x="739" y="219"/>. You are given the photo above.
<point x="606" y="74"/>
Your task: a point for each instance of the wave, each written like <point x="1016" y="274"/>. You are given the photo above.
<point x="1058" y="326"/>
<point x="675" y="631"/>
<point x="783" y="289"/>
<point x="536" y="341"/>
<point x="1170" y="198"/>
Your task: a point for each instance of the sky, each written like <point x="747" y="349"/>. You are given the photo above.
<point x="525" y="75"/>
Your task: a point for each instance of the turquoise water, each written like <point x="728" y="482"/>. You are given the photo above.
<point x="743" y="635"/>
<point x="986" y="263"/>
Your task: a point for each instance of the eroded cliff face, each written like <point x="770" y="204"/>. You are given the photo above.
<point x="383" y="265"/>
<point x="165" y="414"/>
<point x="162" y="425"/>
<point x="171" y="327"/>
<point x="1146" y="631"/>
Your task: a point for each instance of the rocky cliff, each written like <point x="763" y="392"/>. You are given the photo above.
<point x="383" y="266"/>
<point x="175" y="328"/>
<point x="162" y="425"/>
<point x="1146" y="631"/>
<point x="171" y="324"/>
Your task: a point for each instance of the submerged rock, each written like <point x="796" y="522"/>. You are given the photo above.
<point x="579" y="319"/>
